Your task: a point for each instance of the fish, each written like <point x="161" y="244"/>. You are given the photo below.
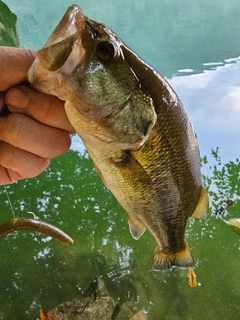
<point x="34" y="225"/>
<point x="134" y="127"/>
<point x="234" y="223"/>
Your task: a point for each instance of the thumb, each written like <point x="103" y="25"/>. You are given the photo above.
<point x="14" y="65"/>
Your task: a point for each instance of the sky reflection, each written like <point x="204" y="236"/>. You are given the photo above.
<point x="212" y="100"/>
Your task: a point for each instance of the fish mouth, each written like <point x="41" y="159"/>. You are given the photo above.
<point x="60" y="55"/>
<point x="60" y="44"/>
<point x="72" y="21"/>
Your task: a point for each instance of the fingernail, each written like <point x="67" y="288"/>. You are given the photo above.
<point x="17" y="98"/>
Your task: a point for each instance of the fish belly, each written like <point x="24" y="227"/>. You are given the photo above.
<point x="151" y="204"/>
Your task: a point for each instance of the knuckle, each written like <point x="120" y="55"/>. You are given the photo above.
<point x="14" y="126"/>
<point x="7" y="155"/>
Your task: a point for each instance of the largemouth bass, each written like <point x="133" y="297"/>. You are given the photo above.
<point x="134" y="127"/>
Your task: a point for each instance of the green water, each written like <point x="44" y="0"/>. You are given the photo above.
<point x="183" y="42"/>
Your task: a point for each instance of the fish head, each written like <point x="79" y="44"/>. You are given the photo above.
<point x="83" y="64"/>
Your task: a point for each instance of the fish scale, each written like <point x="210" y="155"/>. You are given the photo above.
<point x="134" y="127"/>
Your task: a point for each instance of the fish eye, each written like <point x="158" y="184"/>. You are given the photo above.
<point x="105" y="50"/>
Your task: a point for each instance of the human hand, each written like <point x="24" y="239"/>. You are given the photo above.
<point x="33" y="126"/>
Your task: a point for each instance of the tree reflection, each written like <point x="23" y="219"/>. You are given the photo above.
<point x="70" y="195"/>
<point x="8" y="30"/>
<point x="224" y="181"/>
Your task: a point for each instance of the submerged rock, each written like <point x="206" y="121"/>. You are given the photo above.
<point x="98" y="305"/>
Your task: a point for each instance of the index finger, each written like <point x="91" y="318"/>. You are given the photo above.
<point x="14" y="65"/>
<point x="42" y="107"/>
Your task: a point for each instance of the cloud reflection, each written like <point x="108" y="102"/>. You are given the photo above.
<point x="212" y="100"/>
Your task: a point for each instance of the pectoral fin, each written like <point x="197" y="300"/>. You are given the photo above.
<point x="202" y="206"/>
<point x="136" y="227"/>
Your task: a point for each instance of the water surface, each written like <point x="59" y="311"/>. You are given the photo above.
<point x="196" y="47"/>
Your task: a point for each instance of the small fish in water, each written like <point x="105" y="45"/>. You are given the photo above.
<point x="34" y="225"/>
<point x="133" y="126"/>
<point x="234" y="223"/>
<point x="224" y="207"/>
<point x="192" y="278"/>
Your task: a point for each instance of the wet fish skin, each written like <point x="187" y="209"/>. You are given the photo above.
<point x="135" y="129"/>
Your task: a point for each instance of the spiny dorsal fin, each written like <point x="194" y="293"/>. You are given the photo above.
<point x="163" y="261"/>
<point x="136" y="227"/>
<point x="202" y="206"/>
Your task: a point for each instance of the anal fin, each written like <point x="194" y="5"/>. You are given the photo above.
<point x="163" y="261"/>
<point x="202" y="206"/>
<point x="136" y="227"/>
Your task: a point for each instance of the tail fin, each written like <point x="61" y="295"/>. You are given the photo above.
<point x="182" y="259"/>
